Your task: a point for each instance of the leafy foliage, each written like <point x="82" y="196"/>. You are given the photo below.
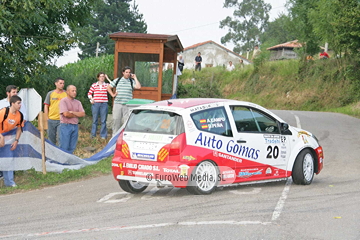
<point x="250" y="18"/>
<point x="301" y="25"/>
<point x="33" y="32"/>
<point x="203" y="84"/>
<point x="278" y="31"/>
<point x="109" y="16"/>
<point x="315" y="23"/>
<point x="337" y="22"/>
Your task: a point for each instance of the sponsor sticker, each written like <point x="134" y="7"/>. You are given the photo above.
<point x="143" y="156"/>
<point x="303" y="133"/>
<point x="184" y="170"/>
<point x="246" y="173"/>
<point x="189" y="158"/>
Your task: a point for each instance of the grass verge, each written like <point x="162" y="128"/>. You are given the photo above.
<point x="30" y="179"/>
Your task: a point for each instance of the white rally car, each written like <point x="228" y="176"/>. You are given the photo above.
<point x="200" y="143"/>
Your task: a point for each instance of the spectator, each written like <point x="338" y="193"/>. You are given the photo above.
<point x="309" y="58"/>
<point x="12" y="120"/>
<point x="99" y="100"/>
<point x="180" y="65"/>
<point x="12" y="90"/>
<point x="123" y="93"/>
<point x="256" y="52"/>
<point x="70" y="111"/>
<point x="241" y="64"/>
<point x="198" y="60"/>
<point x="230" y="67"/>
<point x="52" y="110"/>
<point x="323" y="54"/>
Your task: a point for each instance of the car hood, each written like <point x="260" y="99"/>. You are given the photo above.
<point x="300" y="131"/>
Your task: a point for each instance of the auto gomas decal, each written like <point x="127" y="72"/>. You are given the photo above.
<point x="229" y="146"/>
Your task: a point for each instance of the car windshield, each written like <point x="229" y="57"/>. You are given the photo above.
<point x="150" y="121"/>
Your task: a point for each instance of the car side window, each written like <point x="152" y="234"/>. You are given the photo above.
<point x="251" y="120"/>
<point x="212" y="120"/>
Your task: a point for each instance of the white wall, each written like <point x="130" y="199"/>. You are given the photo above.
<point x="211" y="53"/>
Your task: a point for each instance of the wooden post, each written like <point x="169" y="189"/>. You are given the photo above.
<point x="160" y="76"/>
<point x="41" y="128"/>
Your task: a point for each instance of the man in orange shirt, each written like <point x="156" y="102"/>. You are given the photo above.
<point x="8" y="123"/>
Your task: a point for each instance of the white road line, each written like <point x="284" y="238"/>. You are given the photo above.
<point x="106" y="199"/>
<point x="149" y="194"/>
<point x="298" y="124"/>
<point x="173" y="192"/>
<point x="121" y="228"/>
<point x="280" y="205"/>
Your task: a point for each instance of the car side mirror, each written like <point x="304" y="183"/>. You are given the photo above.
<point x="284" y="127"/>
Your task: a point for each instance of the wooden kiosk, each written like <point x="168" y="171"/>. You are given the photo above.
<point x="153" y="58"/>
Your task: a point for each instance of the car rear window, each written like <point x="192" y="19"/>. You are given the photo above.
<point x="150" y="121"/>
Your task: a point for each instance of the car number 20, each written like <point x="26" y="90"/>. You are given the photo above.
<point x="273" y="152"/>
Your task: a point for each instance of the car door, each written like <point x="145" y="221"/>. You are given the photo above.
<point x="215" y="130"/>
<point x="258" y="141"/>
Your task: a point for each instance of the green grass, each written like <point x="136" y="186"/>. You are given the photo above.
<point x="30" y="179"/>
<point x="287" y="85"/>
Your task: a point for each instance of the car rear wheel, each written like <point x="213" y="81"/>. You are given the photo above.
<point x="132" y="186"/>
<point x="203" y="179"/>
<point x="303" y="170"/>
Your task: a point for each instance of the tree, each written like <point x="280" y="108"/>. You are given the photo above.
<point x="250" y="18"/>
<point x="337" y="22"/>
<point x="34" y="32"/>
<point x="278" y="31"/>
<point x="110" y="16"/>
<point x="301" y="24"/>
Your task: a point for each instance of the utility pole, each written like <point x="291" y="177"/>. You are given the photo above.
<point x="97" y="48"/>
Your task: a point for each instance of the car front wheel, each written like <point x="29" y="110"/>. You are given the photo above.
<point x="203" y="179"/>
<point x="303" y="170"/>
<point x="132" y="186"/>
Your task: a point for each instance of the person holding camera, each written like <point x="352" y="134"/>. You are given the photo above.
<point x="123" y="93"/>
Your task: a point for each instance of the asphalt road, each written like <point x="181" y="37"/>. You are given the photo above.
<point x="99" y="209"/>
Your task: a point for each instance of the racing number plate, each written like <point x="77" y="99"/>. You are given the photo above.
<point x="145" y="145"/>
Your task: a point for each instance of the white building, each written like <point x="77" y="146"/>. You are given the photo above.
<point x="212" y="54"/>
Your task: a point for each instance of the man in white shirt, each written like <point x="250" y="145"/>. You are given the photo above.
<point x="230" y="67"/>
<point x="12" y="90"/>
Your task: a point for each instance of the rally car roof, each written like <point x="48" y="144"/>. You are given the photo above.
<point x="188" y="102"/>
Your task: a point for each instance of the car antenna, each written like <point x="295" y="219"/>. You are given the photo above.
<point x="169" y="103"/>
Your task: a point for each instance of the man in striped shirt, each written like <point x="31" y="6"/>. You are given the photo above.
<point x="123" y="93"/>
<point x="99" y="100"/>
